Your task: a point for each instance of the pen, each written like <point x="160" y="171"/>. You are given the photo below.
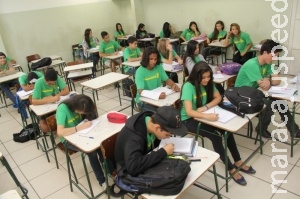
<point x="86" y="136"/>
<point x="214" y="111"/>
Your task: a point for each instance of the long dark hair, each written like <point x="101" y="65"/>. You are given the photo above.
<point x="190" y="50"/>
<point x="121" y="31"/>
<point x="83" y="104"/>
<point x="216" y="32"/>
<point x="87" y="36"/>
<point x="141" y="25"/>
<point x="191" y="23"/>
<point x="239" y="31"/>
<point x="166" y="30"/>
<point x="195" y="79"/>
<point x="145" y="58"/>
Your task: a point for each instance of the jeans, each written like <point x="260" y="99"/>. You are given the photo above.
<point x="5" y="87"/>
<point x="95" y="57"/>
<point x="242" y="59"/>
<point x="216" y="140"/>
<point x="146" y="107"/>
<point x="95" y="162"/>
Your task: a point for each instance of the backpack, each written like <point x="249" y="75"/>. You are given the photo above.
<point x="26" y="134"/>
<point x="46" y="61"/>
<point x="230" y="68"/>
<point x="244" y="100"/>
<point x="165" y="178"/>
<point x="126" y="83"/>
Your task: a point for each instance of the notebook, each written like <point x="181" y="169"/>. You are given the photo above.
<point x="182" y="145"/>
<point x="155" y="93"/>
<point x="224" y="115"/>
<point x="282" y="90"/>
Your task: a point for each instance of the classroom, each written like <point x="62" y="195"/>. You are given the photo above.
<point x="51" y="27"/>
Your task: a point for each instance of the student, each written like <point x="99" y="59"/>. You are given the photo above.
<point x="48" y="89"/>
<point x="11" y="60"/>
<point x="190" y="32"/>
<point x="108" y="47"/>
<point x="132" y="53"/>
<point x="150" y="76"/>
<point x="199" y="94"/>
<point x="90" y="42"/>
<point x="69" y="117"/>
<point x="5" y="86"/>
<point x="218" y="34"/>
<point x="141" y="33"/>
<point x="27" y="81"/>
<point x="119" y="33"/>
<point x="166" y="31"/>
<point x="257" y="73"/>
<point x="167" y="55"/>
<point x="242" y="42"/>
<point x="142" y="133"/>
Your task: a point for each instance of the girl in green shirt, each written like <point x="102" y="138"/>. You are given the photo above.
<point x="190" y="32"/>
<point x="199" y="94"/>
<point x="119" y="33"/>
<point x="218" y="34"/>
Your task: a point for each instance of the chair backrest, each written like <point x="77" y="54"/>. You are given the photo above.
<point x="72" y="63"/>
<point x="30" y="99"/>
<point x="33" y="57"/>
<point x="51" y="122"/>
<point x="185" y="72"/>
<point x="133" y="90"/>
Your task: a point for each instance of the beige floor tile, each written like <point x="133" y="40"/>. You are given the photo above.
<point x="31" y="153"/>
<point x="65" y="192"/>
<point x="11" y="163"/>
<point x="31" y="192"/>
<point x="292" y="184"/>
<point x="7" y="183"/>
<point x="13" y="146"/>
<point x="288" y="195"/>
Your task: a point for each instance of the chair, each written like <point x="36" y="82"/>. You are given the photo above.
<point x="51" y="122"/>
<point x="32" y="58"/>
<point x="133" y="91"/>
<point x="76" y="51"/>
<point x="214" y="53"/>
<point x="9" y="194"/>
<point x="77" y="78"/>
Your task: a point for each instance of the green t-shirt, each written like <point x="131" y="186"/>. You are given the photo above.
<point x="188" y="34"/>
<point x="221" y="34"/>
<point x="251" y="72"/>
<point x="110" y="47"/>
<point x="117" y="34"/>
<point x="130" y="53"/>
<point x="189" y="94"/>
<point x="149" y="79"/>
<point x="8" y="59"/>
<point x="23" y="78"/>
<point x="66" y="118"/>
<point x="174" y="54"/>
<point x="42" y="89"/>
<point x="150" y="136"/>
<point x="242" y="43"/>
<point x="162" y="34"/>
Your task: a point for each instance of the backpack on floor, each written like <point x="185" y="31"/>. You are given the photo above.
<point x="26" y="134"/>
<point x="126" y="83"/>
<point x="46" y="61"/>
<point x="165" y="178"/>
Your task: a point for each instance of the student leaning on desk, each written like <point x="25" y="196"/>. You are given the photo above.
<point x="190" y="32"/>
<point x="150" y="75"/>
<point x="197" y="95"/>
<point x="257" y="73"/>
<point x="69" y="117"/>
<point x="27" y="81"/>
<point x="131" y="54"/>
<point x="48" y="89"/>
<point x="119" y="33"/>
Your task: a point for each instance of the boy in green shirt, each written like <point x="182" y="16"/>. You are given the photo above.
<point x="257" y="73"/>
<point x="27" y="81"/>
<point x="108" y="47"/>
<point x="48" y="89"/>
<point x="131" y="54"/>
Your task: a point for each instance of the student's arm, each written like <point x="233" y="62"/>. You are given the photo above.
<point x="27" y="87"/>
<point x="45" y="100"/>
<point x="189" y="63"/>
<point x="63" y="87"/>
<point x="170" y="58"/>
<point x="216" y="100"/>
<point x="208" y="40"/>
<point x="134" y="59"/>
<point x="249" y="46"/>
<point x="10" y="66"/>
<point x="179" y="60"/>
<point x="273" y="81"/>
<point x="63" y="131"/>
<point x="65" y="91"/>
<point x="182" y="36"/>
<point x="172" y="85"/>
<point x="226" y="40"/>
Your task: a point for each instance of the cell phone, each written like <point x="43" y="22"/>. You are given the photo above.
<point x="227" y="104"/>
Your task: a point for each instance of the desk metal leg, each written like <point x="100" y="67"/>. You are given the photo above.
<point x="119" y="94"/>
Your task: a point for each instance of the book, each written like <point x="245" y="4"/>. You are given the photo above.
<point x="282" y="90"/>
<point x="294" y="80"/>
<point x="87" y="130"/>
<point x="182" y="145"/>
<point x="155" y="93"/>
<point x="218" y="75"/>
<point x="173" y="66"/>
<point x="23" y="93"/>
<point x="224" y="115"/>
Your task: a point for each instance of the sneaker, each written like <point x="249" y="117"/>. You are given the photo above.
<point x="265" y="133"/>
<point x="103" y="185"/>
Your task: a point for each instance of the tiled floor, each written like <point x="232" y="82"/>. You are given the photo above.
<point x="44" y="181"/>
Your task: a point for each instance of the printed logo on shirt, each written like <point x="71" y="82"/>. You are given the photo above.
<point x="263" y="72"/>
<point x="152" y="77"/>
<point x="133" y="55"/>
<point x="110" y="47"/>
<point x="73" y="119"/>
<point x="239" y="41"/>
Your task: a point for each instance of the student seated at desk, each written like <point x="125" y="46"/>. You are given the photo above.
<point x="9" y="59"/>
<point x="257" y="73"/>
<point x="5" y="86"/>
<point x="48" y="89"/>
<point x="167" y="31"/>
<point x="141" y="33"/>
<point x="190" y="32"/>
<point x="242" y="41"/>
<point x="142" y="133"/>
<point x="131" y="54"/>
<point x="27" y="81"/>
<point x="69" y="116"/>
<point x="109" y="47"/>
<point x="192" y="57"/>
<point x="150" y="75"/>
<point x="167" y="55"/>
<point x="89" y="42"/>
<point x="197" y="95"/>
<point x="119" y="33"/>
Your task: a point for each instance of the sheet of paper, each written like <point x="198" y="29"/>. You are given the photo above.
<point x="282" y="90"/>
<point x="23" y="93"/>
<point x="163" y="89"/>
<point x="181" y="145"/>
<point x="155" y="93"/>
<point x="85" y="131"/>
<point x="224" y="115"/>
<point x="218" y="76"/>
<point x="294" y="80"/>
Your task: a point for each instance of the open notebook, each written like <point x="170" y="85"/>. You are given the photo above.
<point x="224" y="115"/>
<point x="154" y="94"/>
<point x="282" y="91"/>
<point x="182" y="145"/>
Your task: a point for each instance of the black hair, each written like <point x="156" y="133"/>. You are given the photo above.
<point x="166" y="30"/>
<point x="148" y="51"/>
<point x="141" y="25"/>
<point x="131" y="39"/>
<point x="87" y="36"/>
<point x="195" y="79"/>
<point x="103" y="34"/>
<point x="50" y="74"/>
<point x="31" y="76"/>
<point x="83" y="104"/>
<point x="121" y="31"/>
<point x="190" y="50"/>
<point x="268" y="45"/>
<point x="216" y="32"/>
<point x="191" y="23"/>
<point x="2" y="54"/>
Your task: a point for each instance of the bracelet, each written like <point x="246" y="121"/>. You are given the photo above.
<point x="206" y="107"/>
<point x="75" y="128"/>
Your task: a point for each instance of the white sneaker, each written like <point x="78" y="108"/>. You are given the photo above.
<point x="104" y="186"/>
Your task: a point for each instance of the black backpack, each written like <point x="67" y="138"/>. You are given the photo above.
<point x="126" y="83"/>
<point x="46" y="61"/>
<point x="26" y="134"/>
<point x="165" y="178"/>
<point x="244" y="100"/>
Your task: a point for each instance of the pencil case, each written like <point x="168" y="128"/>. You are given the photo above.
<point x="116" y="117"/>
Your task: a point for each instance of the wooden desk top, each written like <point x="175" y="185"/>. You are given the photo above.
<point x="219" y="44"/>
<point x="132" y="64"/>
<point x="169" y="100"/>
<point x="104" y="80"/>
<point x="222" y="80"/>
<point x="53" y="57"/>
<point x="78" y="67"/>
<point x="74" y="74"/>
<point x="10" y="77"/>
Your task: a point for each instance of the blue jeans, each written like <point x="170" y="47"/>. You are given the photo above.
<point x="95" y="58"/>
<point x="5" y="87"/>
<point x="94" y="161"/>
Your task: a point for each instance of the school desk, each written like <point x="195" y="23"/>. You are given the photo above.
<point x="78" y="70"/>
<point x="183" y="45"/>
<point x="111" y="58"/>
<point x="132" y="65"/>
<point x="52" y="57"/>
<point x="18" y="66"/>
<point x="55" y="63"/>
<point x="216" y="45"/>
<point x="168" y="101"/>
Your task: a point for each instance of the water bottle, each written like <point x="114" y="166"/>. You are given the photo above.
<point x="298" y="83"/>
